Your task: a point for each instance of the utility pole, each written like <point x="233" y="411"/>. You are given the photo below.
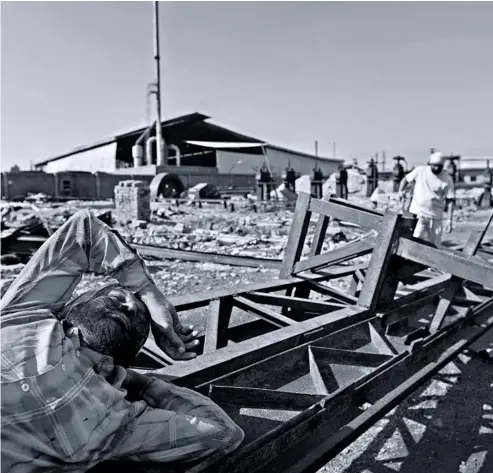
<point x="334" y="150"/>
<point x="316" y="148"/>
<point x="383" y="160"/>
<point x="160" y="145"/>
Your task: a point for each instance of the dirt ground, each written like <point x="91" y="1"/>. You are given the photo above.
<point x="445" y="427"/>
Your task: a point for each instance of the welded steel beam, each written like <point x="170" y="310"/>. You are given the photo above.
<point x="340" y="371"/>
<point x="207" y="257"/>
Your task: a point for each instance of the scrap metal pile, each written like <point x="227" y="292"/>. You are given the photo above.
<point x="316" y="367"/>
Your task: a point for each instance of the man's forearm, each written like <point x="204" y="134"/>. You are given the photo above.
<point x="151" y="296"/>
<point x="83" y="243"/>
<point x="450" y="210"/>
<point x="136" y="385"/>
<point x="403" y="185"/>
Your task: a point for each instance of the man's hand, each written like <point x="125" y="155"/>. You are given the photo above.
<point x="167" y="330"/>
<point x="448" y="226"/>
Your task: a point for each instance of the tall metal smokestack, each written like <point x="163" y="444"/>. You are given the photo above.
<point x="160" y="145"/>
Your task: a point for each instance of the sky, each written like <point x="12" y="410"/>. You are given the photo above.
<point x="398" y="77"/>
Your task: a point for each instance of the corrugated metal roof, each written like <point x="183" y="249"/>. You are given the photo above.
<point x="306" y="155"/>
<point x="191" y="117"/>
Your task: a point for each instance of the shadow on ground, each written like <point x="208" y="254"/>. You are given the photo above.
<point x="446" y="427"/>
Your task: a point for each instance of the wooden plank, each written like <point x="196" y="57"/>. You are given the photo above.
<point x="262" y="398"/>
<point x="347" y="212"/>
<point x="297" y="235"/>
<point x="216" y="332"/>
<point x="377" y="275"/>
<point x="294" y="302"/>
<point x="470" y="269"/>
<point x="264" y="313"/>
<point x="339" y="255"/>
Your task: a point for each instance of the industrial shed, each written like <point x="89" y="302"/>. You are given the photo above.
<point x="202" y="146"/>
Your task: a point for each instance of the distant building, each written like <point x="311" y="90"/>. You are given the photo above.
<point x="472" y="170"/>
<point x="197" y="144"/>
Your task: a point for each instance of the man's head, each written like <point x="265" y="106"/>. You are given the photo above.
<point x="111" y="321"/>
<point x="436" y="162"/>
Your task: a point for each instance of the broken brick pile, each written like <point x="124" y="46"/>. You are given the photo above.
<point x="132" y="201"/>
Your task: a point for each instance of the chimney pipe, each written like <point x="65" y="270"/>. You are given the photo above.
<point x="177" y="154"/>
<point x="150" y="140"/>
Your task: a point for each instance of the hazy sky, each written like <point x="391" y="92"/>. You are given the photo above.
<point x="399" y="77"/>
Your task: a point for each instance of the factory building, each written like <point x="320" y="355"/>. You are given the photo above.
<point x="472" y="171"/>
<point x="195" y="146"/>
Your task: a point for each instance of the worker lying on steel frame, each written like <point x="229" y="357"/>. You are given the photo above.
<point x="68" y="401"/>
<point x="433" y="191"/>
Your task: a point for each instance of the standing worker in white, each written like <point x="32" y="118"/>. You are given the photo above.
<point x="433" y="192"/>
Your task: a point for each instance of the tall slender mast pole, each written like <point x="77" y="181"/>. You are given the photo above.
<point x="160" y="145"/>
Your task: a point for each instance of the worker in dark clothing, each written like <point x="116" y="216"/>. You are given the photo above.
<point x="343" y="177"/>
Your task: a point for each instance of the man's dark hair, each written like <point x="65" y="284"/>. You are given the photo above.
<point x="107" y="324"/>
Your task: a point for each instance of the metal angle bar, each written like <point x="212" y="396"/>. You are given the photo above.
<point x="297" y="235"/>
<point x="319" y="235"/>
<point x="373" y="287"/>
<point x="294" y="302"/>
<point x="428" y="365"/>
<point x="184" y="303"/>
<point x="342" y="211"/>
<point x="217" y="258"/>
<point x="337" y="413"/>
<point x="332" y="272"/>
<point x="479" y="272"/>
<point x="274" y="318"/>
<point x="338" y="255"/>
<point x="348" y="357"/>
<point x="216" y="331"/>
<point x="291" y="431"/>
<point x="215" y="365"/>
<point x="420" y="291"/>
<point x="194" y="301"/>
<point x="448" y="295"/>
<point x="334" y="293"/>
<point x="262" y="398"/>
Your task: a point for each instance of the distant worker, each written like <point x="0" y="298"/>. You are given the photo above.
<point x="433" y="192"/>
<point x="342" y="191"/>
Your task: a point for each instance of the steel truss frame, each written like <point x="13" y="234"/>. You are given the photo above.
<point x="328" y="368"/>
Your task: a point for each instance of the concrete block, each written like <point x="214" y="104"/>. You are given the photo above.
<point x="132" y="202"/>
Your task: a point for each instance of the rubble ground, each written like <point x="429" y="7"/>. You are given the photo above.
<point x="445" y="427"/>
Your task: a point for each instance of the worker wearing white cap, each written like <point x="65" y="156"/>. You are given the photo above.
<point x="433" y="192"/>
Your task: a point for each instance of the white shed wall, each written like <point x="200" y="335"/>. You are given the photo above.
<point x="97" y="159"/>
<point x="278" y="161"/>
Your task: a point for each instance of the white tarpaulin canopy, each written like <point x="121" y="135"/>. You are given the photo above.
<point x="225" y="144"/>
